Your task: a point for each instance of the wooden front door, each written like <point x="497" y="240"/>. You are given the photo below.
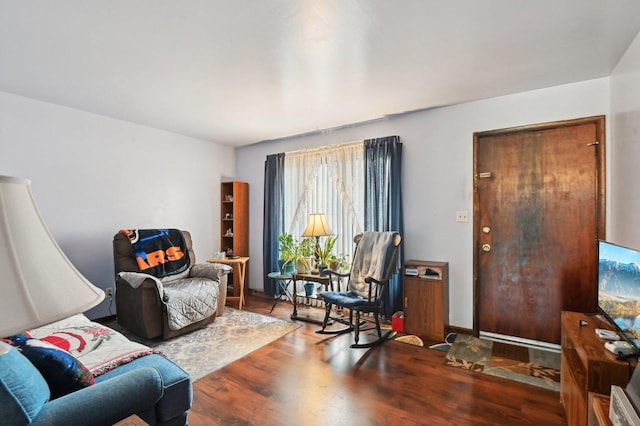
<point x="538" y="210"/>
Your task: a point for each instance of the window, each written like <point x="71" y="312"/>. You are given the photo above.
<point x="327" y="180"/>
<point x="339" y="181"/>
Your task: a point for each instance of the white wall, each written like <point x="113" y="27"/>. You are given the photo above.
<point x="86" y="181"/>
<point x="92" y="176"/>
<point x="437" y="172"/>
<point x="625" y="152"/>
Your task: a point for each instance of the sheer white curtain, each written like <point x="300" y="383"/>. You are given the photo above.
<point x="327" y="180"/>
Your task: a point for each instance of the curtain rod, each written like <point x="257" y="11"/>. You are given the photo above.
<point x="324" y="148"/>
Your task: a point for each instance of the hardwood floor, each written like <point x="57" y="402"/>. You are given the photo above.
<point x="312" y="379"/>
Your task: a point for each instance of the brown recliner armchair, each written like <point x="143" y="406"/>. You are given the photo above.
<point x="142" y="300"/>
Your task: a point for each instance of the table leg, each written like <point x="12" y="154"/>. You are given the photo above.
<point x="241" y="272"/>
<point x="275" y="302"/>
<point x="294" y="315"/>
<point x="283" y="286"/>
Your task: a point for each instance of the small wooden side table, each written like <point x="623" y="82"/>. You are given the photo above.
<point x="239" y="265"/>
<point x="325" y="280"/>
<point x="132" y="420"/>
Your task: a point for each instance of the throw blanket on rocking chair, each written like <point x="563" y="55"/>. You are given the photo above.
<point x="159" y="252"/>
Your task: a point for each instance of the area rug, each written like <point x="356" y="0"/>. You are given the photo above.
<point x="230" y="337"/>
<point x="519" y="363"/>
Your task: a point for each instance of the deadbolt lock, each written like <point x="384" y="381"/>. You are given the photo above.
<point x="486" y="247"/>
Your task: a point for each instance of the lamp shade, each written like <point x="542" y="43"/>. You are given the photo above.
<point x="38" y="283"/>
<point x="317" y="226"/>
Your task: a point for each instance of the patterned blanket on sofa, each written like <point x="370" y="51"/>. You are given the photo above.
<point x="99" y="348"/>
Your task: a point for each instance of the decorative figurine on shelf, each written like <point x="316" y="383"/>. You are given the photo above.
<point x="229" y="232"/>
<point x="228" y="216"/>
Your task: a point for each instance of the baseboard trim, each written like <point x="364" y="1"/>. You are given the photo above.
<point x="459" y="330"/>
<point x="520" y="341"/>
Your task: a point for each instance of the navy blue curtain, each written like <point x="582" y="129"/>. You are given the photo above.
<point x="383" y="201"/>
<point x="273" y="218"/>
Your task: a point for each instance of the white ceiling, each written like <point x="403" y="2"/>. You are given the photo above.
<point x="242" y="71"/>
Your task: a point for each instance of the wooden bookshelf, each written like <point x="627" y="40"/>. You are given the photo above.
<point x="234" y="228"/>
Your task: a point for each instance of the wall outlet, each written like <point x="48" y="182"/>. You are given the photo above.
<point x="109" y="291"/>
<point x="462" y="216"/>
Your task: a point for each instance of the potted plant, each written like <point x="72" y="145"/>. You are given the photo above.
<point x="303" y="255"/>
<point x="295" y="254"/>
<point x="324" y="252"/>
<point x="339" y="262"/>
<point x="286" y="249"/>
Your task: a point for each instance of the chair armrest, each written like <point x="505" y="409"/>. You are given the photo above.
<point x="338" y="278"/>
<point x="105" y="403"/>
<point x="213" y="271"/>
<point x="135" y="280"/>
<point x="379" y="287"/>
<point x="217" y="272"/>
<point x="331" y="272"/>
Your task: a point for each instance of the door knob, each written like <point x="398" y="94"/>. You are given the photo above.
<point x="486" y="229"/>
<point x="486" y="247"/>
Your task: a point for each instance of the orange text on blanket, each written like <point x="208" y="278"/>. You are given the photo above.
<point x="160" y="256"/>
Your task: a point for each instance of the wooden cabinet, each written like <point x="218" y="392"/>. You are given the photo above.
<point x="585" y="365"/>
<point x="598" y="414"/>
<point x="234" y="226"/>
<point x="426" y="299"/>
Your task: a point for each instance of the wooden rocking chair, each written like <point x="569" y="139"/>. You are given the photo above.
<point x="374" y="261"/>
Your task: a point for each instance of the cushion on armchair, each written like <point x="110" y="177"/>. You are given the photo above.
<point x="189" y="301"/>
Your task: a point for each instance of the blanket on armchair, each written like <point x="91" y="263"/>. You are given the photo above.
<point x="159" y="252"/>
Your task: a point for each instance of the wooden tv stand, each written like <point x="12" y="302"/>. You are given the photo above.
<point x="586" y="366"/>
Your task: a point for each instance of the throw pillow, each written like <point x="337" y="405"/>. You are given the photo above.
<point x="23" y="390"/>
<point x="64" y="373"/>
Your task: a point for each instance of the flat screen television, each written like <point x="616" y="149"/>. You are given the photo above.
<point x="619" y="288"/>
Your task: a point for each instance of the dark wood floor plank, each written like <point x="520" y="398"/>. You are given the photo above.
<point x="312" y="379"/>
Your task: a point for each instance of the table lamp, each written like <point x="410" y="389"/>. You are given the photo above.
<point x="38" y="283"/>
<point x="317" y="227"/>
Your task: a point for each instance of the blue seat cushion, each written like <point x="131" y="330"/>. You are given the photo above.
<point x="178" y="392"/>
<point x="346" y="299"/>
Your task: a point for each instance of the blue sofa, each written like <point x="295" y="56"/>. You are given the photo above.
<point x="177" y="393"/>
<point x="150" y="386"/>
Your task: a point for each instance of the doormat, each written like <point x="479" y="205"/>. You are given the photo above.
<point x="536" y="367"/>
